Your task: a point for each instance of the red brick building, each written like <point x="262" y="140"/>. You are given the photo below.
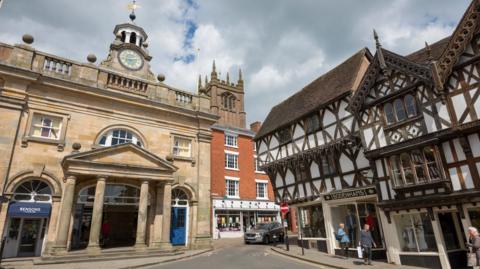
<point x="241" y="194"/>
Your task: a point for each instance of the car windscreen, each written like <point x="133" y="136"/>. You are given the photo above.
<point x="262" y="226"/>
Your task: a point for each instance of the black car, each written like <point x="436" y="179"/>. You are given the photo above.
<point x="265" y="233"/>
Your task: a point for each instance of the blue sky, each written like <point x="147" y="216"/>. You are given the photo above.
<point x="281" y="45"/>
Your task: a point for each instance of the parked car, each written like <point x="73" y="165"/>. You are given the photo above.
<point x="265" y="233"/>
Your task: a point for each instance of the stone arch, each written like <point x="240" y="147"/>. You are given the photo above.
<point x="26" y="175"/>
<point x="189" y="190"/>
<point x="120" y="126"/>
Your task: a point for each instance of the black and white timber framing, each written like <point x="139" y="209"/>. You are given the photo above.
<point x="410" y="128"/>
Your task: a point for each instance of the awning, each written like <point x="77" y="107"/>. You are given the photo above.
<point x="24" y="209"/>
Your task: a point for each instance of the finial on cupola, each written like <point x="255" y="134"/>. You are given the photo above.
<point x="429" y="52"/>
<point x="132" y="7"/>
<point x="381" y="60"/>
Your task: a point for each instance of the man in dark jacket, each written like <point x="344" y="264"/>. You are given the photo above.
<point x="366" y="242"/>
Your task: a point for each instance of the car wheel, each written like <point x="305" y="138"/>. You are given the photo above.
<point x="246" y="242"/>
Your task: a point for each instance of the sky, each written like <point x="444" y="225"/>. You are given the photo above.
<point x="280" y="45"/>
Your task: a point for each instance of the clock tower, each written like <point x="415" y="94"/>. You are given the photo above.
<point x="128" y="52"/>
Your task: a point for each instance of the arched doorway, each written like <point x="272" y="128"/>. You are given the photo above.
<point x="28" y="217"/>
<point x="179" y="225"/>
<point x="119" y="216"/>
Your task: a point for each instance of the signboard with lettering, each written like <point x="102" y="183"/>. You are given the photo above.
<point x="350" y="194"/>
<point x="23" y="209"/>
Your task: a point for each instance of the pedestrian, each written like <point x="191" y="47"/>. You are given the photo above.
<point x="105" y="230"/>
<point x="342" y="237"/>
<point x="366" y="242"/>
<point x="474" y="245"/>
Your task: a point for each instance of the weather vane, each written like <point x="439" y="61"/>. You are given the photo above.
<point x="133" y="6"/>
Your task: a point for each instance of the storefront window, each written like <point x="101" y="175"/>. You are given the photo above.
<point x="474" y="214"/>
<point x="228" y="221"/>
<point x="312" y="221"/>
<point x="354" y="216"/>
<point x="415" y="232"/>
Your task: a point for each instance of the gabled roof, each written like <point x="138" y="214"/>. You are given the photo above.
<point x="336" y="82"/>
<point x="422" y="56"/>
<point x="392" y="61"/>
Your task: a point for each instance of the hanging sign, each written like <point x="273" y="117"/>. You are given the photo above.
<point x="350" y="194"/>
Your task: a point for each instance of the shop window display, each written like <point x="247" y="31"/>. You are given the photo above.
<point x="354" y="216"/>
<point x="312" y="221"/>
<point x="415" y="232"/>
<point x="228" y="221"/>
<point x="474" y="214"/>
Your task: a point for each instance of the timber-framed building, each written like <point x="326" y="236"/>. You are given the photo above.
<point x="415" y="125"/>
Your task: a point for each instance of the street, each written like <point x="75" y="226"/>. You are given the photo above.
<point x="238" y="256"/>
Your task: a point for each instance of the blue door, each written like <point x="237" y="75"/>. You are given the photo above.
<point x="177" y="229"/>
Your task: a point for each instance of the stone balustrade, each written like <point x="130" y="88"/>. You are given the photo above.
<point x="57" y="66"/>
<point x="119" y="82"/>
<point x="183" y="98"/>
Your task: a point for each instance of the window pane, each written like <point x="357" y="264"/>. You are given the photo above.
<point x="424" y="232"/>
<point x="103" y="140"/>
<point x="400" y="110"/>
<point x="312" y="222"/>
<point x="397" y="175"/>
<point x="410" y="105"/>
<point x="433" y="170"/>
<point x="449" y="231"/>
<point x="389" y="115"/>
<point x="417" y="160"/>
<point x="407" y="169"/>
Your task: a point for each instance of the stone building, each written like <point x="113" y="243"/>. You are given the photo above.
<point x="241" y="194"/>
<point x="102" y="155"/>
<point x="391" y="141"/>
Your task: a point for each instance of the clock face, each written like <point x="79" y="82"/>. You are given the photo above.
<point x="130" y="59"/>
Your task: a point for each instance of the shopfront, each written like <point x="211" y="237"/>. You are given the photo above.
<point x="354" y="208"/>
<point x="231" y="218"/>
<point x="28" y="219"/>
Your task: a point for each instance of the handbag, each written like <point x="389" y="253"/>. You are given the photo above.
<point x="359" y="252"/>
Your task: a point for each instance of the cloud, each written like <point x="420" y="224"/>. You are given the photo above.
<point x="281" y="45"/>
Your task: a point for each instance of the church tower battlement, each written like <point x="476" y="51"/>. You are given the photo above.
<point x="226" y="98"/>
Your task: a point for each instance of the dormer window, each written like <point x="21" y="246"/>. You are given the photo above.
<point x="400" y="109"/>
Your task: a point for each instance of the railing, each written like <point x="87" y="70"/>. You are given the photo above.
<point x="183" y="98"/>
<point x="126" y="83"/>
<point x="57" y="66"/>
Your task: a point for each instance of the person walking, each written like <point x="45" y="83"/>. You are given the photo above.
<point x="342" y="237"/>
<point x="474" y="245"/>
<point x="366" y="242"/>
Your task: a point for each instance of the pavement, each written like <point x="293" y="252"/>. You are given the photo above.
<point x="332" y="261"/>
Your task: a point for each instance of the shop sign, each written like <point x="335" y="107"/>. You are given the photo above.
<point x="350" y="194"/>
<point x="24" y="209"/>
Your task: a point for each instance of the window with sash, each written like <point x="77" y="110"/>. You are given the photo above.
<point x="182" y="147"/>
<point x="46" y="126"/>
<point x="415" y="167"/>
<point x="231" y="140"/>
<point x="231" y="161"/>
<point x="262" y="190"/>
<point x="232" y="187"/>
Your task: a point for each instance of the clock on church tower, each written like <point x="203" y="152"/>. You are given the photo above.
<point x="128" y="52"/>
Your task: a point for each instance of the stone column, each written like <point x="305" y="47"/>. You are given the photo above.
<point x="97" y="213"/>
<point x="65" y="214"/>
<point x="167" y="212"/>
<point x="142" y="215"/>
<point x="158" y="218"/>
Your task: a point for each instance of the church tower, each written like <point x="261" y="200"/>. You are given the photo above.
<point x="128" y="52"/>
<point x="226" y="98"/>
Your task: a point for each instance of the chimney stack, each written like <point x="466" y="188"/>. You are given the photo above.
<point x="255" y="126"/>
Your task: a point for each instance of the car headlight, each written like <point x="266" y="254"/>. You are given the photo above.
<point x="258" y="235"/>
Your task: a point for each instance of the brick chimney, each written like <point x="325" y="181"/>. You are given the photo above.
<point x="256" y="126"/>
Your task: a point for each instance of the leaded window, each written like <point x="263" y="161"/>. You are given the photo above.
<point x="284" y="136"/>
<point x="415" y="167"/>
<point x="312" y="124"/>
<point x="400" y="109"/>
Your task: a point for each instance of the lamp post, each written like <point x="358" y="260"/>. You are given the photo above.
<point x="284" y="210"/>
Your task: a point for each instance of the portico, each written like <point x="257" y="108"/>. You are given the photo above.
<point x="122" y="175"/>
